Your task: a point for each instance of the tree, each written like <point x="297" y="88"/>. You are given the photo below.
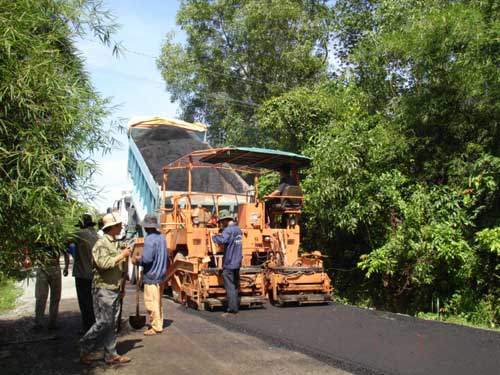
<point x="433" y="67"/>
<point x="287" y="122"/>
<point x="239" y="54"/>
<point x="51" y="121"/>
<point x="431" y="70"/>
<point x="403" y="191"/>
<point x="354" y="19"/>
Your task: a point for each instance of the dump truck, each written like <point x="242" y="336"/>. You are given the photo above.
<point x="153" y="143"/>
<point x="272" y="269"/>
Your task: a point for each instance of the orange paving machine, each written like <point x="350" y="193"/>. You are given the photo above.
<point x="271" y="266"/>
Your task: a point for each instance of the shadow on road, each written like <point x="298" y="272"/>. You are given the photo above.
<point x="167" y="323"/>
<point x="126" y="346"/>
<point x="24" y="351"/>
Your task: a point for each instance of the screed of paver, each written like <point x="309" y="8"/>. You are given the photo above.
<point x="191" y="345"/>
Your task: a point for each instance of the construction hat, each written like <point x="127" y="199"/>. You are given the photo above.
<point x="110" y="220"/>
<point x="224" y="214"/>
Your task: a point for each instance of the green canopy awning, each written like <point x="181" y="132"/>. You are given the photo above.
<point x="257" y="158"/>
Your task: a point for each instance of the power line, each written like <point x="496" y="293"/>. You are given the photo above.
<point x="218" y="96"/>
<point x="138" y="53"/>
<point x="244" y="79"/>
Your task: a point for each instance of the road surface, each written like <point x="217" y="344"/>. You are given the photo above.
<point x="189" y="345"/>
<point x="365" y="341"/>
<point x="334" y="339"/>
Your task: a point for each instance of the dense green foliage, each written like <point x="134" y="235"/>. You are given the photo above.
<point x="288" y="121"/>
<point x="404" y="189"/>
<point x="239" y="54"/>
<point x="410" y="164"/>
<point x="51" y="120"/>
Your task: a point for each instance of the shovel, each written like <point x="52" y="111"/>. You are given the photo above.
<point x="137" y="321"/>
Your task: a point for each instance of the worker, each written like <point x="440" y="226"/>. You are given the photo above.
<point x="285" y="181"/>
<point x="231" y="238"/>
<point x="154" y="263"/>
<point x="108" y="266"/>
<point x="86" y="238"/>
<point x="48" y="277"/>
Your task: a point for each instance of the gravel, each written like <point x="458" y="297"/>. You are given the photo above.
<point x="162" y="145"/>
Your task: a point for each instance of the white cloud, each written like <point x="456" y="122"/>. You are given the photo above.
<point x="132" y="81"/>
<point x="111" y="180"/>
<point x="96" y="55"/>
<point x="113" y="169"/>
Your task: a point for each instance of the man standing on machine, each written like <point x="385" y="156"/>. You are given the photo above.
<point x="231" y="238"/>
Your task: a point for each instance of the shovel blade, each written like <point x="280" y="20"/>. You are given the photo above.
<point x="137" y="321"/>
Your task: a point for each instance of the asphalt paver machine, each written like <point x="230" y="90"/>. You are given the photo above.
<point x="272" y="268"/>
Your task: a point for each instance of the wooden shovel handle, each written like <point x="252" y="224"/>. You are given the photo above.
<point x="138" y="290"/>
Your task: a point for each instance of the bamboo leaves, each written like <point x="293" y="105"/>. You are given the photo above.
<point x="51" y="120"/>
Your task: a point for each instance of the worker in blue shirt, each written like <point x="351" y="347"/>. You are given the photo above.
<point x="154" y="262"/>
<point x="231" y="238"/>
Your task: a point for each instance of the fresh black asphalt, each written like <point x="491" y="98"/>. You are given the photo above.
<point x="364" y="341"/>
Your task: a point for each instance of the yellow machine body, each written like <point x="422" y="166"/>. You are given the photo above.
<point x="271" y="270"/>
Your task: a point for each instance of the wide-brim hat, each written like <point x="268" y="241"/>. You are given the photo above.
<point x="150" y="221"/>
<point x="224" y="214"/>
<point x="110" y="220"/>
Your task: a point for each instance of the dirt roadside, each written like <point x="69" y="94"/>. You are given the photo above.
<point x="189" y="345"/>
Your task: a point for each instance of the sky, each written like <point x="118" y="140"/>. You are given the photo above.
<point x="132" y="81"/>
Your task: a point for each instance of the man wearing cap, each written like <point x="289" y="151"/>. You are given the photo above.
<point x="231" y="238"/>
<point x="154" y="263"/>
<point x="86" y="238"/>
<point x="108" y="267"/>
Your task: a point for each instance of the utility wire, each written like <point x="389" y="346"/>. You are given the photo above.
<point x="216" y="96"/>
<point x="243" y="79"/>
<point x="143" y="54"/>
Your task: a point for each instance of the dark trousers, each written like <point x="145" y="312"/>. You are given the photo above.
<point x="84" y="293"/>
<point x="231" y="284"/>
<point x="102" y="333"/>
<point x="269" y="204"/>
